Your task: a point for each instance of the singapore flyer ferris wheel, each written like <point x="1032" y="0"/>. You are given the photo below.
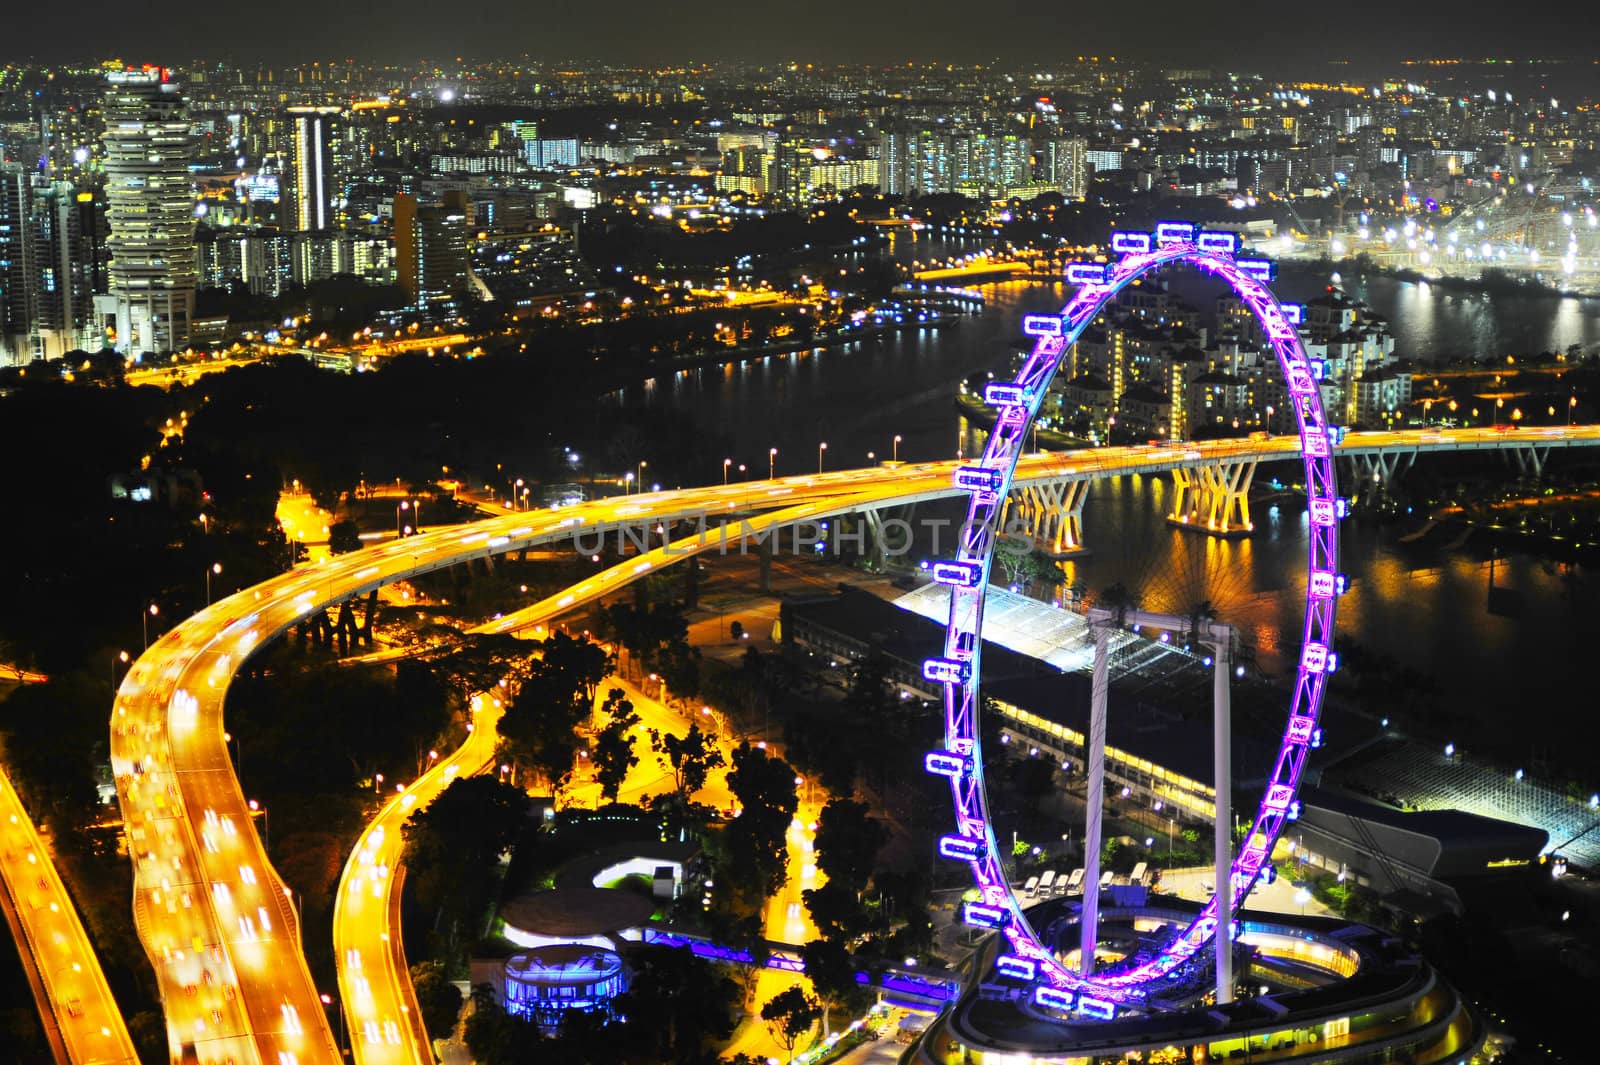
<point x="1127" y="984"/>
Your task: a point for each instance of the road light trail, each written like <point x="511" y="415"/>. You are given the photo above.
<point x="211" y="912"/>
<point x="77" y="1010"/>
<point x="375" y="989"/>
<point x="378" y="997"/>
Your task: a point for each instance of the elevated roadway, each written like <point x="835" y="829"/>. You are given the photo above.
<point x="80" y="1018"/>
<point x="375" y="991"/>
<point x="211" y="912"/>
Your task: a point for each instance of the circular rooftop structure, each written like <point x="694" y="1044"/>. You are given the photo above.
<point x="546" y="983"/>
<point x="574" y="914"/>
<point x="1309" y="989"/>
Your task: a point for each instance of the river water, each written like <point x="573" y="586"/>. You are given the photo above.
<point x="1427" y="606"/>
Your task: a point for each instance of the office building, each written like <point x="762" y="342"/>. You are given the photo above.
<point x="150" y="209"/>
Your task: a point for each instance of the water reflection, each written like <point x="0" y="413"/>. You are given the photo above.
<point x="1425" y="607"/>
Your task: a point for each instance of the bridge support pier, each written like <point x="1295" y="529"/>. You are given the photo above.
<point x="691" y="582"/>
<point x="364" y="633"/>
<point x="1049" y="514"/>
<point x="875" y="527"/>
<point x="872" y="519"/>
<point x="1374" y="473"/>
<point x="1214" y="498"/>
<point x="1530" y="460"/>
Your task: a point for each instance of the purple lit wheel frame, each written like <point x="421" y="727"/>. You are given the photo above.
<point x="1125" y="983"/>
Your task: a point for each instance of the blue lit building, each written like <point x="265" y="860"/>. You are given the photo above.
<point x="546" y="984"/>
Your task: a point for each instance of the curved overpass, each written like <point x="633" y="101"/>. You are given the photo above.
<point x="210" y="910"/>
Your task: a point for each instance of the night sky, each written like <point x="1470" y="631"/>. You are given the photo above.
<point x="1253" y="35"/>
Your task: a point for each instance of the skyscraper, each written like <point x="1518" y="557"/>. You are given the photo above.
<point x="150" y="209"/>
<point x="312" y="185"/>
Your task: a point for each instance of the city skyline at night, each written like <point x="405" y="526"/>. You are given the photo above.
<point x="725" y="559"/>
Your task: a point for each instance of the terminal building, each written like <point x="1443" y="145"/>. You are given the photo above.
<point x="1036" y="660"/>
<point x="1412" y="859"/>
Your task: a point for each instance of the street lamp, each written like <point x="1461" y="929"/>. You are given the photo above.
<point x="897" y="439"/>
<point x="330" y="1000"/>
<point x="266" y="822"/>
<point x="725" y="464"/>
<point x="1571" y="406"/>
<point x="640" y="478"/>
<point x="216" y="567"/>
<point x="872" y="458"/>
<point x="627" y="483"/>
<point x="822" y="447"/>
<point x="772" y="461"/>
<point x="299" y="932"/>
<point x="144" y="623"/>
<point x="122" y="657"/>
<point x="517" y="495"/>
<point x="377" y="783"/>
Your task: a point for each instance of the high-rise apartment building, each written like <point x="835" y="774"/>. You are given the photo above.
<point x="47" y="267"/>
<point x="430" y="250"/>
<point x="150" y="205"/>
<point x="983" y="160"/>
<point x="313" y="185"/>
<point x="1064" y="163"/>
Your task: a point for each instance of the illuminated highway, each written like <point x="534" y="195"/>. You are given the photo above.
<point x="79" y="1015"/>
<point x="375" y="991"/>
<point x="914" y="483"/>
<point x="210" y="911"/>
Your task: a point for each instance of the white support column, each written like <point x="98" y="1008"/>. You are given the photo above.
<point x="1089" y="924"/>
<point x="1183" y="492"/>
<point x="1222" y="763"/>
<point x="1051" y="515"/>
<point x="874" y="523"/>
<point x="1214" y="498"/>
<point x="1530" y="461"/>
<point x="1038" y="510"/>
<point x="1069" y="532"/>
